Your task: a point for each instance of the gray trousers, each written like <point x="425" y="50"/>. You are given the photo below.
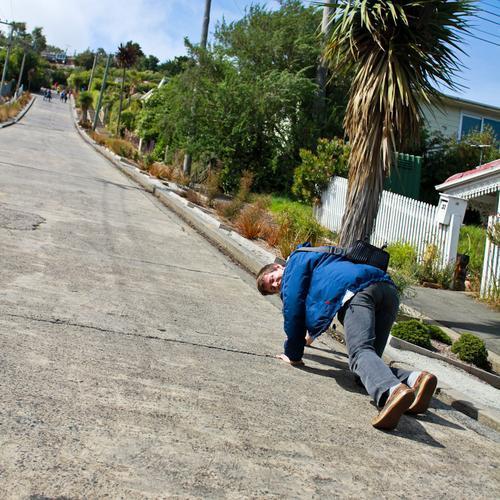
<point x="367" y="321"/>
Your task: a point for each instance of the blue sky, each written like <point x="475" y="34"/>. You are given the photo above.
<point x="160" y="26"/>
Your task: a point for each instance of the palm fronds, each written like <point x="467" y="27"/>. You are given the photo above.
<point x="398" y="51"/>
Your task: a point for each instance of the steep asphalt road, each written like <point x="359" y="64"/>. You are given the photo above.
<point x="136" y="360"/>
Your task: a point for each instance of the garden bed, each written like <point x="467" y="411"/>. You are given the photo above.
<point x="443" y="352"/>
<point x="10" y="111"/>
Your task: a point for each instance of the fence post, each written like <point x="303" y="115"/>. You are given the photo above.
<point x="450" y="212"/>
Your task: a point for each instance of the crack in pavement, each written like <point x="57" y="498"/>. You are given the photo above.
<point x="95" y="179"/>
<point x="58" y="321"/>
<point x="142" y="261"/>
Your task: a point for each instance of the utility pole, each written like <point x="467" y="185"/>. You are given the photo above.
<point x="203" y="43"/>
<point x="92" y="72"/>
<point x="21" y="72"/>
<point x="206" y="22"/>
<point x="101" y="93"/>
<point x="7" y="55"/>
<point x="322" y="72"/>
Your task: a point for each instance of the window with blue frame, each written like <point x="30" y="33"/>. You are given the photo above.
<point x="470" y="124"/>
<point x="494" y="125"/>
<point x="478" y="124"/>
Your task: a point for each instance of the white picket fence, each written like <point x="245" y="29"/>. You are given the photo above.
<point x="490" y="280"/>
<point x="400" y="219"/>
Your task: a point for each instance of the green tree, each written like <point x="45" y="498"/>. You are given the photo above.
<point x="264" y="40"/>
<point x="312" y="176"/>
<point x="85" y="100"/>
<point x="76" y="80"/>
<point x="396" y="49"/>
<point x="126" y="57"/>
<point x="149" y="63"/>
<point x="174" y="66"/>
<point x="39" y="42"/>
<point x="85" y="59"/>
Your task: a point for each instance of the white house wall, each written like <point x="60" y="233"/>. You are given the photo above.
<point x="445" y="120"/>
<point x="448" y="118"/>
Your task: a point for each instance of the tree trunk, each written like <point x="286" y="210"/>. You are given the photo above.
<point x="372" y="151"/>
<point x="121" y="104"/>
<point x="363" y="200"/>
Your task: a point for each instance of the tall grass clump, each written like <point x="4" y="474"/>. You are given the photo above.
<point x="11" y="110"/>
<point x="294" y="227"/>
<point x="471" y="242"/>
<point x="250" y="222"/>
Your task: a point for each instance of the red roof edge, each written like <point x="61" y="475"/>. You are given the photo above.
<point x="481" y="168"/>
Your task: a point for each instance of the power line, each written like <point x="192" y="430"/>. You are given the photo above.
<point x="483" y="39"/>
<point x="489" y="20"/>
<point x="490" y="13"/>
<point x="490" y="5"/>
<point x="487" y="33"/>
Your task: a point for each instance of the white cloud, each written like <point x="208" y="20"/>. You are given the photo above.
<point x="107" y="23"/>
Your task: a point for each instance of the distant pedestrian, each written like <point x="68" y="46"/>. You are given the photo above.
<point x="49" y="95"/>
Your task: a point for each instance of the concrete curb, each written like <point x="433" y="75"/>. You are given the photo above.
<point x="252" y="258"/>
<point x="490" y="378"/>
<point x="453" y="398"/>
<point x="20" y="115"/>
<point x="410" y="311"/>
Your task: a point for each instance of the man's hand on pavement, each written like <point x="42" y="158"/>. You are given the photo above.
<point x="286" y="359"/>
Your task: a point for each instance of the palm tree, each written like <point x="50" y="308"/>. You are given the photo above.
<point x="397" y="50"/>
<point x="126" y="57"/>
<point x="85" y="101"/>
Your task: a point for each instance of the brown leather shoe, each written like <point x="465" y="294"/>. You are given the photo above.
<point x="424" y="388"/>
<point x="399" y="402"/>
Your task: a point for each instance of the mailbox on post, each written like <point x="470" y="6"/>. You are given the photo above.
<point x="448" y="207"/>
<point x="450" y="212"/>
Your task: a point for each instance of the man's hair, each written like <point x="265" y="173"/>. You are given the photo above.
<point x="268" y="268"/>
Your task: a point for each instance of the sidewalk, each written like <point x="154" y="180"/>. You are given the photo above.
<point x="460" y="312"/>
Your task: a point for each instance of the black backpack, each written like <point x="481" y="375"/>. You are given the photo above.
<point x="361" y="252"/>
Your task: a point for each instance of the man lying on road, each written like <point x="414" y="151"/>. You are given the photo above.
<point x="314" y="288"/>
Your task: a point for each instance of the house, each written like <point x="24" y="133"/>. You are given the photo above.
<point x="480" y="185"/>
<point x="481" y="188"/>
<point x="457" y="117"/>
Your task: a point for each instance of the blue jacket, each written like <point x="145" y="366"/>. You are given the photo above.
<point x="312" y="289"/>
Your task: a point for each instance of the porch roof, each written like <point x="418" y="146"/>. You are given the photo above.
<point x="473" y="183"/>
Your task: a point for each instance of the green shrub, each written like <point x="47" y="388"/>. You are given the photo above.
<point x="85" y="101"/>
<point x="312" y="176"/>
<point x="127" y="120"/>
<point x="122" y="148"/>
<point x="471" y="242"/>
<point x="404" y="282"/>
<point x="438" y="334"/>
<point x="430" y="269"/>
<point x="233" y="208"/>
<point x="282" y="203"/>
<point x="294" y="227"/>
<point x="148" y="161"/>
<point x="471" y="349"/>
<point x="413" y="331"/>
<point x="403" y="256"/>
<point x="212" y="186"/>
